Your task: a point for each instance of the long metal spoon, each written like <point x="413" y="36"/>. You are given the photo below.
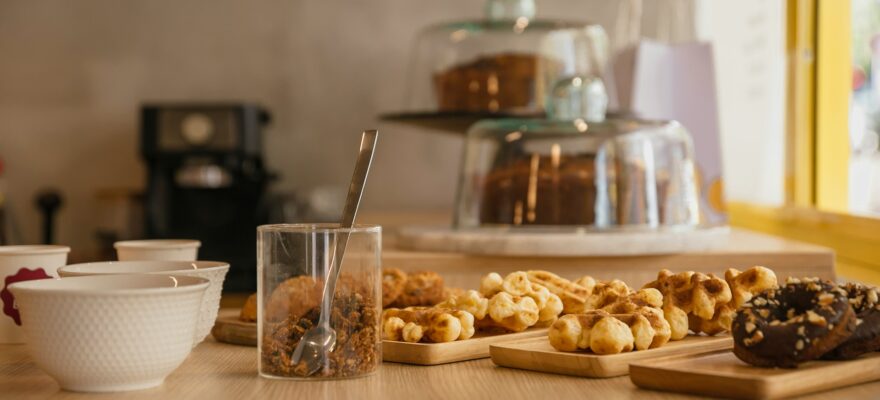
<point x="321" y="339"/>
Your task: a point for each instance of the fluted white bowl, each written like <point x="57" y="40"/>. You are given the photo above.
<point x="213" y="271"/>
<point x="157" y="250"/>
<point x="109" y="333"/>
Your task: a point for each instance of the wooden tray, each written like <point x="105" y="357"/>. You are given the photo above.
<point x="537" y="355"/>
<point x="442" y="353"/>
<point x="229" y="329"/>
<point x="721" y="374"/>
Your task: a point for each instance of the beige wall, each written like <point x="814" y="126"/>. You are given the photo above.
<point x="73" y="73"/>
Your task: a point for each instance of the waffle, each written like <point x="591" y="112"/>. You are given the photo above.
<point x="604" y="333"/>
<point x="428" y="324"/>
<point x="573" y="296"/>
<point x="503" y="311"/>
<point x="689" y="298"/>
<point x="521" y="284"/>
<point x="743" y="285"/>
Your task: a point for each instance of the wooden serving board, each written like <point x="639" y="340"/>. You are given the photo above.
<point x="229" y="329"/>
<point x="536" y="354"/>
<point x="721" y="374"/>
<point x="461" y="350"/>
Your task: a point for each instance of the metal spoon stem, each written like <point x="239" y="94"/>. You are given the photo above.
<point x="321" y="339"/>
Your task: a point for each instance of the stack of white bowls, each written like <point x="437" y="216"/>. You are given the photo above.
<point x="112" y="326"/>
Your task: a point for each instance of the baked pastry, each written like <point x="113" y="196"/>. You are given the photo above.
<point x="510" y="313"/>
<point x="865" y="302"/>
<point x="452" y="292"/>
<point x="608" y="292"/>
<point x="573" y="296"/>
<point x="743" y="285"/>
<point x="423" y="288"/>
<point x="596" y="331"/>
<point x="604" y="333"/>
<point x="501" y="312"/>
<point x="513" y="303"/>
<point x="689" y="295"/>
<point x="564" y="186"/>
<point x="293" y="298"/>
<point x="647" y="302"/>
<point x="429" y="324"/>
<point x="393" y="281"/>
<point x="249" y="310"/>
<point x="496" y="82"/>
<point x="519" y="284"/>
<point x="798" y="322"/>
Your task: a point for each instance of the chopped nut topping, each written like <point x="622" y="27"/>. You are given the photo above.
<point x="857" y="302"/>
<point x="826" y="299"/>
<point x="792" y="280"/>
<point x="816" y="319"/>
<point x="764" y="313"/>
<point x="859" y="321"/>
<point x="775" y="322"/>
<point x="799" y="345"/>
<point x="801" y="331"/>
<point x="790" y="313"/>
<point x="872" y="296"/>
<point x="760" y="301"/>
<point x="750" y="327"/>
<point x="756" y="338"/>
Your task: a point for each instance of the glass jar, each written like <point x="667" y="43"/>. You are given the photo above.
<point x="508" y="63"/>
<point x="599" y="175"/>
<point x="292" y="265"/>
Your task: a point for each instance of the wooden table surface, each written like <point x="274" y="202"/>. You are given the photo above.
<point x="220" y="371"/>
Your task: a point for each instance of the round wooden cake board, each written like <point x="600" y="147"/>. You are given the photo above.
<point x="550" y="243"/>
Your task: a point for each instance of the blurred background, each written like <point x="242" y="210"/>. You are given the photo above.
<point x="73" y="77"/>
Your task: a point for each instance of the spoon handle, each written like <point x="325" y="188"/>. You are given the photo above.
<point x="352" y="201"/>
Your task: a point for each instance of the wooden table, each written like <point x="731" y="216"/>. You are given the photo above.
<point x="220" y="371"/>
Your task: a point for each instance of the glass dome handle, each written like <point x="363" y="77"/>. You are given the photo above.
<point x="578" y="97"/>
<point x="509" y="10"/>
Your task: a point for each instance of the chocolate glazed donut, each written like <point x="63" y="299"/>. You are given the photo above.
<point x="798" y="322"/>
<point x="865" y="302"/>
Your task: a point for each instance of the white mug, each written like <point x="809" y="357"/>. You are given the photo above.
<point x="157" y="250"/>
<point x="22" y="263"/>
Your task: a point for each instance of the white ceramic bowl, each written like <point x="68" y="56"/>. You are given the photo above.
<point x="213" y="271"/>
<point x="158" y="250"/>
<point x="109" y="333"/>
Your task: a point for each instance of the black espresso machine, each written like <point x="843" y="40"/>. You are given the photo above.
<point x="206" y="180"/>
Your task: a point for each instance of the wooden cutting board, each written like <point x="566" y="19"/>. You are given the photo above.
<point x="536" y="354"/>
<point x="721" y="374"/>
<point x="442" y="353"/>
<point x="229" y="329"/>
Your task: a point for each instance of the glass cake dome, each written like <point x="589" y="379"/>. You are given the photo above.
<point x="599" y="175"/>
<point x="507" y="63"/>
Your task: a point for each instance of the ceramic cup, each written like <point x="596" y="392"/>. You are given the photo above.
<point x="110" y="333"/>
<point x="213" y="271"/>
<point x="157" y="250"/>
<point x="22" y="263"/>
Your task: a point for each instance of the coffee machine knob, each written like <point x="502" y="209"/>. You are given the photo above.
<point x="197" y="129"/>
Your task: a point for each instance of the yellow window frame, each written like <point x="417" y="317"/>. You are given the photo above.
<point x="817" y="159"/>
